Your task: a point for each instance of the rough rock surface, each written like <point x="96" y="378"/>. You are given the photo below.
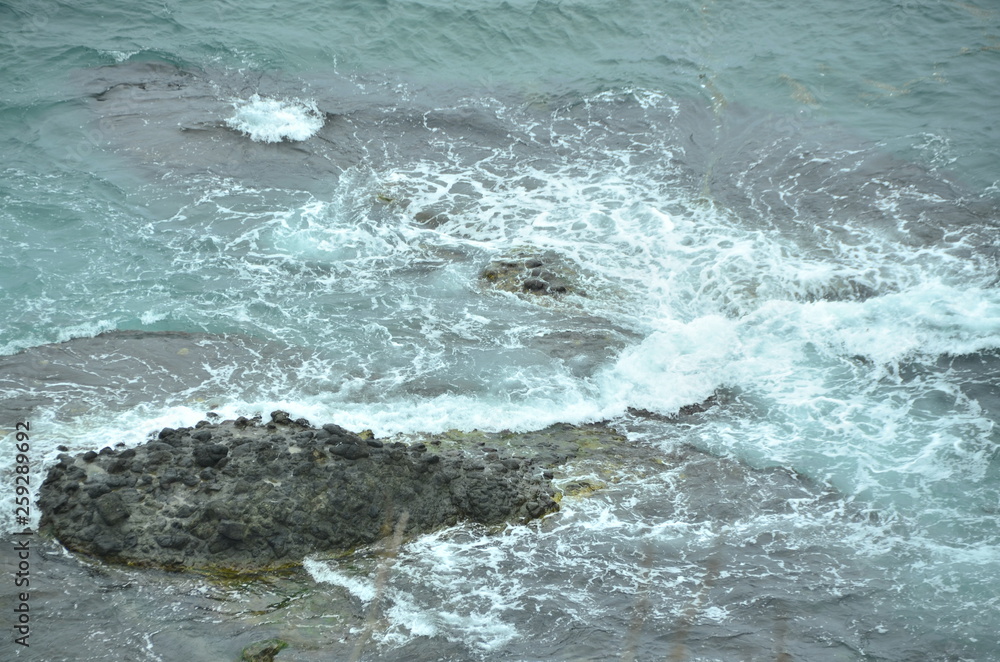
<point x="243" y="496"/>
<point x="533" y="274"/>
<point x="263" y="651"/>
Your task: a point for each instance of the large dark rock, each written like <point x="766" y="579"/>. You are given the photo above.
<point x="245" y="496"/>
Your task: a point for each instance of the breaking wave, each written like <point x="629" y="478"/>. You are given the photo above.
<point x="274" y="120"/>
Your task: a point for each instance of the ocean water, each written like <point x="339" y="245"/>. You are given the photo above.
<point x="789" y="209"/>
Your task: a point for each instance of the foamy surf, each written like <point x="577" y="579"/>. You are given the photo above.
<point x="275" y="120"/>
<point x="835" y="343"/>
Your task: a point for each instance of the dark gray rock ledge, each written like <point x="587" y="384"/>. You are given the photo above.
<point x="245" y="496"/>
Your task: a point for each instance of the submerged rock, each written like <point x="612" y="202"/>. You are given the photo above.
<point x="263" y="651"/>
<point x="533" y="274"/>
<point x="243" y="496"/>
<point x="95" y="374"/>
<point x="590" y="343"/>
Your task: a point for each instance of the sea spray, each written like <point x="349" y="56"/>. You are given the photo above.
<point x="274" y="120"/>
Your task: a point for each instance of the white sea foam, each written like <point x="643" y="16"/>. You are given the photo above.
<point x="363" y="588"/>
<point x="274" y="120"/>
<point x="830" y="354"/>
<point x="120" y="56"/>
<point x="678" y="364"/>
<point x="597" y="560"/>
<point x="412" y="616"/>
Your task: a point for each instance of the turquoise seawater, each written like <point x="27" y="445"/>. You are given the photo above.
<point x="790" y="208"/>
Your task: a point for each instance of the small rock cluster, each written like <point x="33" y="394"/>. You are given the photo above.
<point x="532" y="274"/>
<point x="242" y="495"/>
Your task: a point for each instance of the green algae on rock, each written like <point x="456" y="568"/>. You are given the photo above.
<point x="263" y="651"/>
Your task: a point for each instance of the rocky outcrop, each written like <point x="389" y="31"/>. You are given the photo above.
<point x="244" y="496"/>
<point x="532" y="274"/>
<point x="263" y="651"/>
